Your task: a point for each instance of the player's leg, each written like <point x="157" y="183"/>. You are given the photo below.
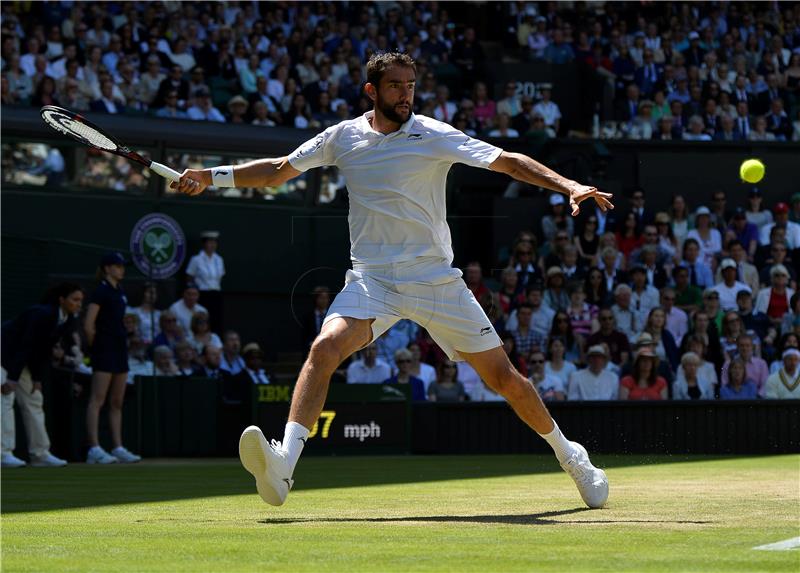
<point x="494" y="368"/>
<point x="338" y="339"/>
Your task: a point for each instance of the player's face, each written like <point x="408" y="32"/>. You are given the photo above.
<point x="395" y="93"/>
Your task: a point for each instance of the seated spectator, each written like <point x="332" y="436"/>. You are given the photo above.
<point x="688" y="297"/>
<point x="541" y="314"/>
<point x="164" y="364"/>
<point x="485" y="108"/>
<point x="712" y="308"/>
<point x="689" y="383"/>
<point x="611" y="262"/>
<point x="201" y="335"/>
<point x="521" y="122"/>
<point x="525" y="338"/>
<point x="509" y="295"/>
<point x="212" y="359"/>
<point x="583" y="316"/>
<point x="727" y="130"/>
<point x="556" y="364"/>
<point x="628" y="236"/>
<point x="444" y="109"/>
<point x="254" y="364"/>
<point x="187" y="306"/>
<point x="550" y="388"/>
<point x="473" y="277"/>
<point x="760" y="132"/>
<point x="503" y="127"/>
<point x="237" y="108"/>
<point x="778" y="255"/>
<point x="708" y="238"/>
<point x="548" y="109"/>
<point x="511" y="104"/>
<point x="789" y="320"/>
<point x="746" y="272"/>
<point x="447" y="388"/>
<point x="171" y="331"/>
<point x="613" y="339"/>
<point x="699" y="271"/>
<point x="729" y="287"/>
<point x="739" y="387"/>
<point x="756" y="368"/>
<point x="574" y="343"/>
<point x="643" y="383"/>
<point x="203" y="109"/>
<point x="665" y="347"/>
<point x="696" y="131"/>
<point x="369" y="369"/>
<point x="138" y="364"/>
<point x="171" y="109"/>
<point x="147" y="314"/>
<point x="597" y="293"/>
<point x="185" y="359"/>
<point x="785" y="383"/>
<point x="732" y="330"/>
<point x="595" y="382"/>
<point x="758" y="322"/>
<point x="644" y="297"/>
<point x="402" y="358"/>
<point x="774" y="300"/>
<point x="677" y="319"/>
<point x="628" y="321"/>
<point x="107" y="103"/>
<point x="555" y="295"/>
<point x="778" y="123"/>
<point x="558" y="219"/>
<point x="706" y="370"/>
<point x="419" y="369"/>
<point x="231" y="361"/>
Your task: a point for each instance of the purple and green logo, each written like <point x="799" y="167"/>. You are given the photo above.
<point x="158" y="246"/>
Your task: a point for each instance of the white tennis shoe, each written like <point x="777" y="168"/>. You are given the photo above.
<point x="267" y="463"/>
<point x="98" y="455"/>
<point x="591" y="481"/>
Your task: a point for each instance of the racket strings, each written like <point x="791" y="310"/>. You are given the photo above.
<point x="80" y="130"/>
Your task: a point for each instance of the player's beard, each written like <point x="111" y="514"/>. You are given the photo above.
<point x="391" y="112"/>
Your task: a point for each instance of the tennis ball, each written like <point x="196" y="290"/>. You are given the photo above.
<point x="751" y="170"/>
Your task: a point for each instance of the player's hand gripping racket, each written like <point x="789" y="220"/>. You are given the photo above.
<point x="80" y="129"/>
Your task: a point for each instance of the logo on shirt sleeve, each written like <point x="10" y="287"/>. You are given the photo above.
<point x="414" y="136"/>
<point x="312" y="146"/>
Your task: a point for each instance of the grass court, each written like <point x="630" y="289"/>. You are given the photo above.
<point x="405" y="513"/>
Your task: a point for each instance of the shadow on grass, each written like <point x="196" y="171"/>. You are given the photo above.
<point x="79" y="485"/>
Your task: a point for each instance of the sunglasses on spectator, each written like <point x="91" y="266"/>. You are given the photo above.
<point x="403" y="361"/>
<point x="537" y="362"/>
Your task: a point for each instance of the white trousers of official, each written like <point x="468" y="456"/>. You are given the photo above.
<point x="30" y="404"/>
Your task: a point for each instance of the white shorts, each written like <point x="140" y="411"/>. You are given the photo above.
<point x="447" y="310"/>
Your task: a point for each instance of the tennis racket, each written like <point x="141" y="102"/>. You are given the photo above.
<point x="79" y="128"/>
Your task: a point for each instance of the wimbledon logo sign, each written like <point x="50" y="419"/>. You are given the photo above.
<point x="158" y="246"/>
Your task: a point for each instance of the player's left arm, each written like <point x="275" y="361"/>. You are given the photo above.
<point x="523" y="168"/>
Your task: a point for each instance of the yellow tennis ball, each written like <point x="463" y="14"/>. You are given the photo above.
<point x="752" y="171"/>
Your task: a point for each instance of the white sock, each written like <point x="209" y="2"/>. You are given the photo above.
<point x="561" y="445"/>
<point x="294" y="438"/>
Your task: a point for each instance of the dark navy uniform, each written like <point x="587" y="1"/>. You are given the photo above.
<point x="28" y="340"/>
<point x="110" y="349"/>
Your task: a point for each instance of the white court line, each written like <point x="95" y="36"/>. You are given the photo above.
<point x="792" y="543"/>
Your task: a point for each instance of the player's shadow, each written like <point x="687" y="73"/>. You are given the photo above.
<point x="543" y="518"/>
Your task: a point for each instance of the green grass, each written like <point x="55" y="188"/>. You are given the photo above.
<point x="449" y="513"/>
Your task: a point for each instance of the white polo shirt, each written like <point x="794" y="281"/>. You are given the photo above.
<point x="207" y="271"/>
<point x="396" y="183"/>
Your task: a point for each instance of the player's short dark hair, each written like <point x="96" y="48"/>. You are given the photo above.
<point x="379" y="63"/>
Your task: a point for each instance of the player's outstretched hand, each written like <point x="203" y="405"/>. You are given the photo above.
<point x="193" y="181"/>
<point x="581" y="193"/>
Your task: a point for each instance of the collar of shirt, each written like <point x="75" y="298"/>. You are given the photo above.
<point x="367" y="126"/>
<point x="62" y="316"/>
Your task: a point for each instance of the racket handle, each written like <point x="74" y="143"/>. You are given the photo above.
<point x="165" y="171"/>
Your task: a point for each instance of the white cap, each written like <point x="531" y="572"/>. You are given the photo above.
<point x="556" y="199"/>
<point x="598" y="349"/>
<point x="791" y="352"/>
<point x="703" y="210"/>
<point x="694" y="35"/>
<point x="727" y="264"/>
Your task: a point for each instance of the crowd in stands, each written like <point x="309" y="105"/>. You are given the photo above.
<point x="692" y="71"/>
<point x="632" y="305"/>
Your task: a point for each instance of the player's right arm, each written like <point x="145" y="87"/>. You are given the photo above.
<point x="258" y="173"/>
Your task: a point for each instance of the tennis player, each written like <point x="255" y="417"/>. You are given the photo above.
<point x="396" y="165"/>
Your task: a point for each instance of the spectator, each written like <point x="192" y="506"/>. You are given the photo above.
<point x="755" y="214"/>
<point x="206" y="270"/>
<point x="643" y="383"/>
<point x="774" y="300"/>
<point x="171" y="109"/>
<point x="473" y="277"/>
<point x="688" y="297"/>
<point x="203" y="109"/>
<point x="595" y="287"/>
<point x="712" y="308"/>
<point x="727" y="130"/>
<point x="511" y="104"/>
<point x="541" y="314"/>
<point x="555" y="295"/>
<point x="148" y="315"/>
<point x="757" y="322"/>
<point x="185" y="307"/>
<point x="778" y="123"/>
<point x="548" y="109"/>
<point x="778" y="252"/>
<point x="760" y="132"/>
<point x="739" y="387"/>
<point x="628" y="237"/>
<point x="699" y="273"/>
<point x="201" y="335"/>
<point x="729" y="287"/>
<point x="614" y="340"/>
<point x="526" y="339"/>
<point x="212" y="358"/>
<point x="185" y="360"/>
<point x="583" y="316"/>
<point x="174" y="82"/>
<point x="45" y="93"/>
<point x="745" y="246"/>
<point x="261" y="95"/>
<point x="594" y="382"/>
<point x="756" y="368"/>
<point x="628" y="321"/>
<point x="644" y="297"/>
<point x="105" y="336"/>
<point x="444" y="109"/>
<point x="781" y="211"/>
<point x="419" y="369"/>
<point x="485" y="108"/>
<point x="447" y="388"/>
<point x="559" y="51"/>
<point x="664" y="344"/>
<point x="171" y="331"/>
<point x="785" y="384"/>
<point x="164" y="363"/>
<point x="237" y="108"/>
<point x="403" y="358"/>
<point x="253" y="370"/>
<point x="689" y="384"/>
<point x="138" y="364"/>
<point x="107" y="102"/>
<point x="311" y="323"/>
<point x="677" y="320"/>
<point x="708" y="238"/>
<point x="369" y="369"/>
<point x="556" y="365"/>
<point x="550" y="388"/>
<point x="503" y="129"/>
<point x="558" y="219"/>
<point x="231" y="361"/>
<point x="610" y="264"/>
<point x="27" y="343"/>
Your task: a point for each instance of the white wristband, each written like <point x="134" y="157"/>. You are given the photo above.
<point x="222" y="176"/>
